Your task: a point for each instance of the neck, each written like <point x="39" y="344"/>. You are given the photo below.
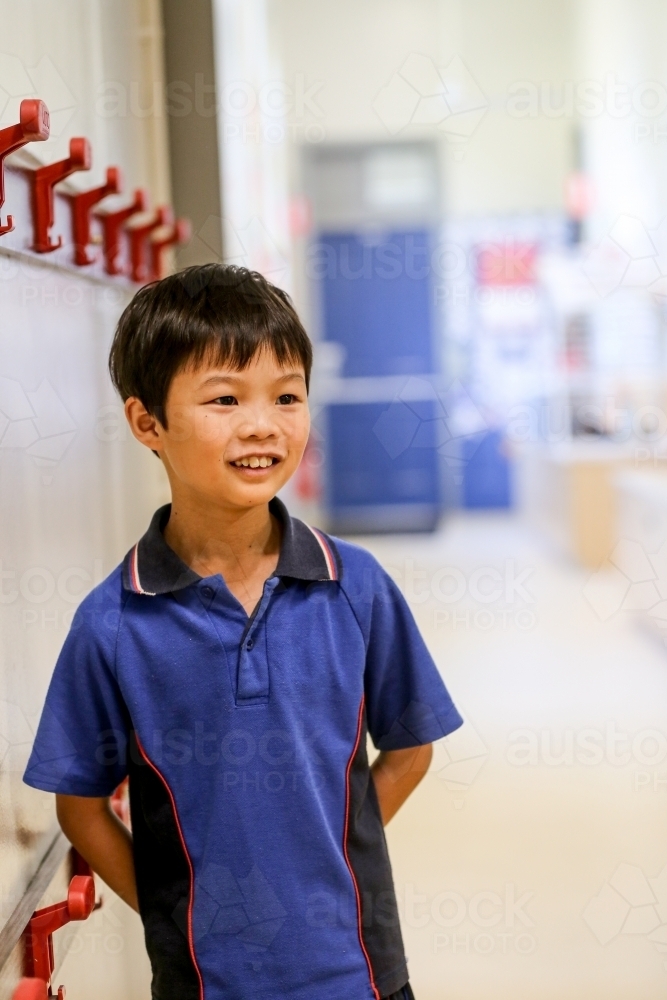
<point x="211" y="538"/>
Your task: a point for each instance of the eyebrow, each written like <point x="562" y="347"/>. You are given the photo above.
<point x="216" y="379"/>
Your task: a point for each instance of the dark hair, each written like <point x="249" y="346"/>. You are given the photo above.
<point x="214" y="311"/>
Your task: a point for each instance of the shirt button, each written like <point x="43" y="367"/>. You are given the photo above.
<point x="207" y="591"/>
<point x="250" y="643"/>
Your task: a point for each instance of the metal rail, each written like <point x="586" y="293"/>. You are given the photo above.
<point x="11" y="932"/>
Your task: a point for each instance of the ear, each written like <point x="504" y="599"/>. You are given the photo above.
<point x="145" y="427"/>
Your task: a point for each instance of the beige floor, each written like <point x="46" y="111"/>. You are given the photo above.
<point x="527" y="864"/>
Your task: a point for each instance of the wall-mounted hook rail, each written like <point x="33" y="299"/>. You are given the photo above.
<point x="175" y="235"/>
<point x="112" y="225"/>
<point x="120" y="802"/>
<point x="37" y="937"/>
<point x="81" y="204"/>
<point x="42" y="181"/>
<point x="137" y="233"/>
<point x="33" y="989"/>
<point x="32" y="127"/>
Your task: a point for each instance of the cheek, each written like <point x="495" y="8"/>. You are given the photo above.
<point x="195" y="441"/>
<point x="211" y="429"/>
<point x="181" y="425"/>
<point x="296" y="427"/>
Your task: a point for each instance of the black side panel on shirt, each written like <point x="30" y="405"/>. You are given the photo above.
<point x="369" y="860"/>
<point x="163" y="882"/>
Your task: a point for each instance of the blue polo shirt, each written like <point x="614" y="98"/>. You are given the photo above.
<point x="262" y="867"/>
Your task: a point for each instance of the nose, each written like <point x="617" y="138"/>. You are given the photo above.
<point x="257" y="422"/>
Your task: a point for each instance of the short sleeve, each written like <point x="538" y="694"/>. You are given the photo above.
<point x="407" y="703"/>
<point x="81" y="742"/>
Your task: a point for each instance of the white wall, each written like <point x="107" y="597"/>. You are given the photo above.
<point x="98" y="66"/>
<point x="75" y="490"/>
<point x="350" y="51"/>
<point x="621" y="45"/>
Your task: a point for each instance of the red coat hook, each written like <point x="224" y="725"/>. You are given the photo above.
<point x="176" y="235"/>
<point x="112" y="224"/>
<point x="33" y="989"/>
<point x="43" y="180"/>
<point x="137" y="234"/>
<point x="37" y="937"/>
<point x="33" y="127"/>
<point x="81" y="205"/>
<point x="120" y="803"/>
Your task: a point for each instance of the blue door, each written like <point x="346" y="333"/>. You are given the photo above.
<point x="486" y="472"/>
<point x="382" y="464"/>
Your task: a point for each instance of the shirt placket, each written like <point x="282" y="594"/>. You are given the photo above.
<point x="252" y="675"/>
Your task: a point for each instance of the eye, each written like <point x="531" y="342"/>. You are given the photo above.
<point x="287" y="398"/>
<point x="226" y="401"/>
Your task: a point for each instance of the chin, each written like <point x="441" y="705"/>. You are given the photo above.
<point x="254" y="496"/>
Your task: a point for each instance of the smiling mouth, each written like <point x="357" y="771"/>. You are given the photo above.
<point x="255" y="462"/>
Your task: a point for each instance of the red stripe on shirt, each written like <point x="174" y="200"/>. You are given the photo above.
<point x="134" y="570"/>
<point x="327" y="553"/>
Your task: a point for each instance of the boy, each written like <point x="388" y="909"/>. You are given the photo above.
<point x="232" y="666"/>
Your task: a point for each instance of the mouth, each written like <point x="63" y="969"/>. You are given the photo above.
<point x="255" y="462"/>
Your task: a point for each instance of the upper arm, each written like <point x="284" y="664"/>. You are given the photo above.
<point x="68" y="805"/>
<point x="415" y="759"/>
<point x="80" y="745"/>
<point x="407" y="703"/>
<point x="77" y="811"/>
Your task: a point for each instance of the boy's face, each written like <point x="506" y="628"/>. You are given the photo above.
<point x="234" y="437"/>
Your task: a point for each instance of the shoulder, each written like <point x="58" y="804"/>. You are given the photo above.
<point x="97" y="618"/>
<point x="109" y="594"/>
<point x="366" y="584"/>
<point x="354" y="559"/>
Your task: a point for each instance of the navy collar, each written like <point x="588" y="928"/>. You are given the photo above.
<point x="151" y="567"/>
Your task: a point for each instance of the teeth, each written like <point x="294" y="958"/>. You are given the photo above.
<point x="254" y="462"/>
